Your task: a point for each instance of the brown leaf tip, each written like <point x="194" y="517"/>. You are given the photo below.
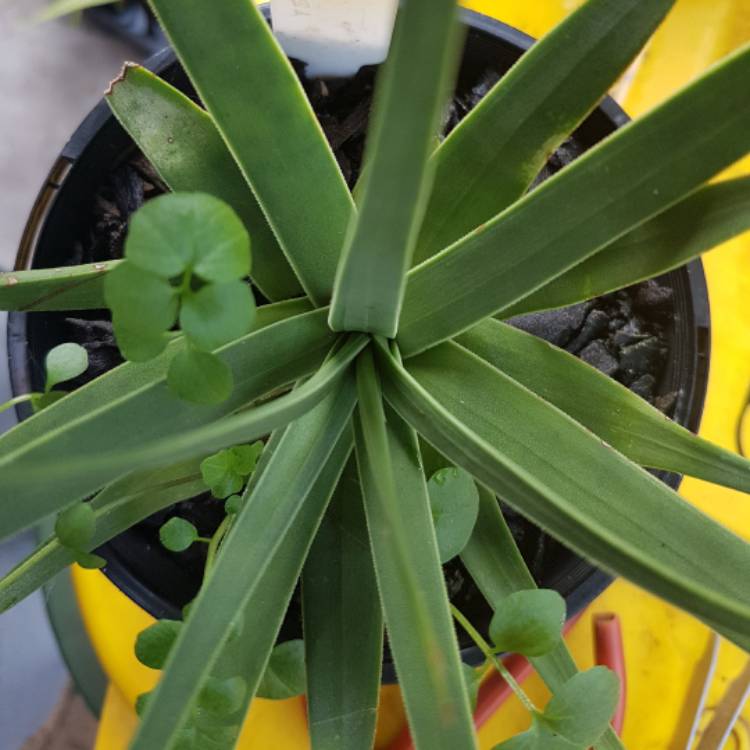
<point x="123" y="75"/>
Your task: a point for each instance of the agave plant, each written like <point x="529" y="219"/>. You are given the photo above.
<point x="384" y="341"/>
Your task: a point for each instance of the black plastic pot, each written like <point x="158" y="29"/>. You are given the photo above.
<point x="162" y="582"/>
<point x="131" y="21"/>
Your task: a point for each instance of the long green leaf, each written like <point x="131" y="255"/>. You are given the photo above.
<point x="712" y="215"/>
<point x="409" y="100"/>
<point x="118" y="506"/>
<point x="588" y="496"/>
<point x="492" y="157"/>
<point x="343" y="626"/>
<point x="254" y="97"/>
<point x="62" y="464"/>
<point x="66" y="288"/>
<point x="266" y="522"/>
<point x="246" y="653"/>
<point x="182" y="142"/>
<point x="625" y="421"/>
<point x="496" y="566"/>
<point x="410" y="579"/>
<point x="636" y="173"/>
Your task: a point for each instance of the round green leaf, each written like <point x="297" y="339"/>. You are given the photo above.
<point x="138" y="345"/>
<point x="222" y="698"/>
<point x="454" y="501"/>
<point x="285" y="673"/>
<point x="200" y="377"/>
<point x="233" y="505"/>
<point x="75" y="526"/>
<point x="141" y="703"/>
<point x="245" y="457"/>
<point x="217" y="314"/>
<point x="528" y="622"/>
<point x="177" y="534"/>
<point x="153" y="644"/>
<point x="189" y="230"/>
<point x="537" y="739"/>
<point x="65" y="362"/>
<point x="139" y="300"/>
<point x="580" y="711"/>
<point x="219" y="474"/>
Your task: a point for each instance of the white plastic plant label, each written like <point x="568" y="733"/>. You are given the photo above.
<point x="334" y="37"/>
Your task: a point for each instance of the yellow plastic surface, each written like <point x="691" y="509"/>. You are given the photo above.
<point x="662" y="644"/>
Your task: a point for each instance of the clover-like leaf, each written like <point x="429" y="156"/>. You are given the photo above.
<point x="217" y="314"/>
<point x="245" y="457"/>
<point x="285" y="673"/>
<point x="454" y="501"/>
<point x="177" y="534"/>
<point x="226" y="471"/>
<point x="199" y="377"/>
<point x="223" y="697"/>
<point x="75" y="526"/>
<point x="152" y="646"/>
<point x="580" y="711"/>
<point x="64" y="362"/>
<point x="143" y="308"/>
<point x="528" y="622"/>
<point x="173" y="233"/>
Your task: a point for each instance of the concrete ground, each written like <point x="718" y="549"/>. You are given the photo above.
<point x="50" y="76"/>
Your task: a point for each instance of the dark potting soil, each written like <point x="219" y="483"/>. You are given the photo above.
<point x="622" y="334"/>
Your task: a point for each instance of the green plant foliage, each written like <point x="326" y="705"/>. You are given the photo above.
<point x="64" y="362"/>
<point x="285" y="673"/>
<point x="226" y="472"/>
<point x="177" y="534"/>
<point x="472" y="679"/>
<point x="153" y="644"/>
<point x="528" y="622"/>
<point x="222" y="698"/>
<point x="454" y="502"/>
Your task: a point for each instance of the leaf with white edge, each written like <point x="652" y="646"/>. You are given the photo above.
<point x="273" y="135"/>
<point x="152" y="646"/>
<point x="639" y="171"/>
<point x="131" y="407"/>
<point x="657" y="539"/>
<point x="277" y="500"/>
<point x="200" y="377"/>
<point x="528" y="622"/>
<point x="64" y="362"/>
<point x="75" y="526"/>
<point x="195" y="158"/>
<point x="411" y="93"/>
<point x="454" y="502"/>
<point x="412" y="590"/>
<point x="217" y="314"/>
<point x="492" y="157"/>
<point x="580" y="711"/>
<point x="617" y="415"/>
<point x="177" y="534"/>
<point x="704" y="219"/>
<point x="285" y="673"/>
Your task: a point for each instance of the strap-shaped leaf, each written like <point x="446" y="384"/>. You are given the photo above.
<point x="118" y="506"/>
<point x="492" y="157"/>
<point x="496" y="566"/>
<point x="634" y="174"/>
<point x="410" y="578"/>
<point x="622" y="419"/>
<point x="66" y="288"/>
<point x="267" y="520"/>
<point x="409" y="99"/>
<point x="182" y="142"/>
<point x="343" y="625"/>
<point x="510" y="440"/>
<point x="62" y="459"/>
<point x="254" y="97"/>
<point x="712" y="215"/>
